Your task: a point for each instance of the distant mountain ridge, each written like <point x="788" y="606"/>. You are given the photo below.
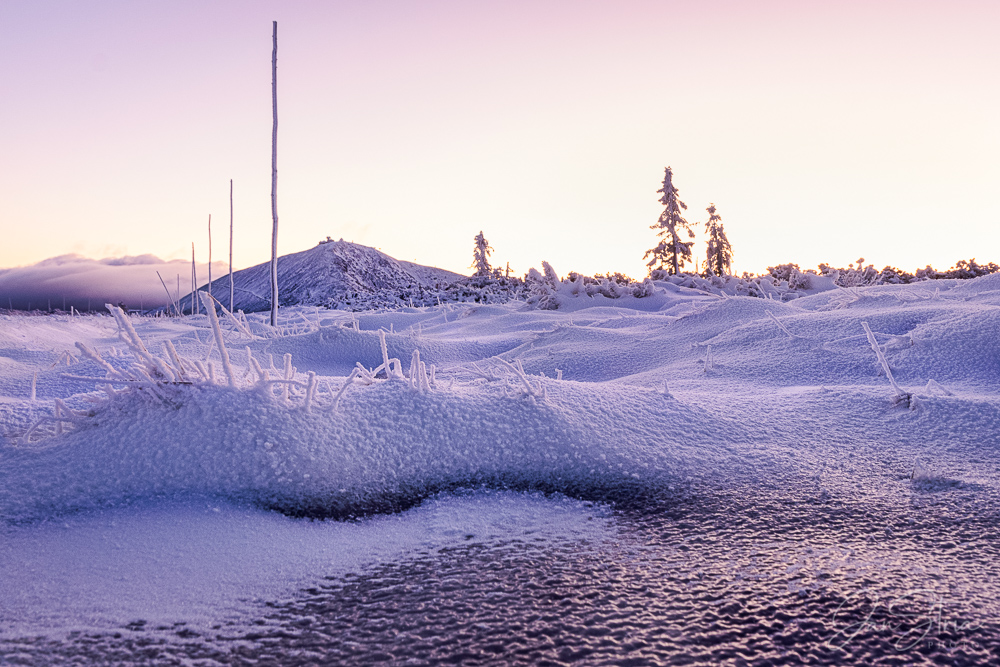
<point x="334" y="274"/>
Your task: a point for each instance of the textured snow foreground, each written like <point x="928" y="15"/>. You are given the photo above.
<point x="148" y="472"/>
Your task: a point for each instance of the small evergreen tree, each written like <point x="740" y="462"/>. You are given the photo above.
<point x="671" y="250"/>
<point x="719" y="258"/>
<point x="480" y="256"/>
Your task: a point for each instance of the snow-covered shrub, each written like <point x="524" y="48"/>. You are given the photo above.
<point x="968" y="268"/>
<point x="611" y="286"/>
<point x="643" y="289"/>
<point x="542" y="288"/>
<point x="782" y="271"/>
<point x="794" y="277"/>
<point x="851" y="276"/>
<point x="927" y="273"/>
<point x="890" y="275"/>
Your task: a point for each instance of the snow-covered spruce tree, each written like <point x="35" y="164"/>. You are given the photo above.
<point x="671" y="250"/>
<point x="480" y="256"/>
<point x="719" y="257"/>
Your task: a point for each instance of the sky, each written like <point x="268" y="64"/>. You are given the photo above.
<point x="822" y="131"/>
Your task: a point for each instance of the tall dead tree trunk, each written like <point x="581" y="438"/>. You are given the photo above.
<point x="210" y="254"/>
<point x="274" y="175"/>
<point x="194" y="279"/>
<point x="231" y="290"/>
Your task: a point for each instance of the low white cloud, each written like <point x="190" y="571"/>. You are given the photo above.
<point x="81" y="282"/>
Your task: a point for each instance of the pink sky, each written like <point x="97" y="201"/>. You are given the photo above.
<point x="822" y="131"/>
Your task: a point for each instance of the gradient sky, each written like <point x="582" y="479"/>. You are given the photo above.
<point x="822" y="131"/>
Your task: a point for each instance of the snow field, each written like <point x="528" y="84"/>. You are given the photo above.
<point x="647" y="396"/>
<point x="594" y="397"/>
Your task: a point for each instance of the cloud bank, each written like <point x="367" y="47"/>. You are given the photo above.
<point x="87" y="284"/>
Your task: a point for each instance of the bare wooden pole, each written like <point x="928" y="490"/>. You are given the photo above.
<point x="169" y="298"/>
<point x="194" y="279"/>
<point x="231" y="289"/>
<point x="274" y="175"/>
<point x="209" y="255"/>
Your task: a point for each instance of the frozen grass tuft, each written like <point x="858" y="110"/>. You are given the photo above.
<point x="901" y="396"/>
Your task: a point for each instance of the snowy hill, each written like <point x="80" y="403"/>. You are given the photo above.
<point x="336" y="274"/>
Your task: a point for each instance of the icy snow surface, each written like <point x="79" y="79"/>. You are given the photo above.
<point x="178" y="496"/>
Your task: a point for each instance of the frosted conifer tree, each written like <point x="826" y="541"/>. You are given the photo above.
<point x="671" y="251"/>
<point x="719" y="258"/>
<point x="480" y="256"/>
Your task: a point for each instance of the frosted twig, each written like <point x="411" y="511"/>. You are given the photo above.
<point x="424" y="383"/>
<point x="366" y="376"/>
<point x="213" y="318"/>
<point x="519" y="372"/>
<point x="69" y="413"/>
<point x="934" y="386"/>
<point x="154" y="385"/>
<point x="58" y="419"/>
<point x="251" y="362"/>
<point x="289" y="374"/>
<point x="488" y="376"/>
<point x="178" y="363"/>
<point x="347" y="383"/>
<point x="171" y="298"/>
<point x="64" y="358"/>
<point x="93" y="355"/>
<point x="211" y="347"/>
<point x="882" y="360"/>
<point x="136" y="345"/>
<point x="780" y="325"/>
<point x="414" y="369"/>
<point x="232" y="318"/>
<point x="390" y="372"/>
<point x="310" y="390"/>
<point x="200" y="367"/>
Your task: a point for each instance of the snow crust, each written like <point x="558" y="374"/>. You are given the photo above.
<point x="109" y="511"/>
